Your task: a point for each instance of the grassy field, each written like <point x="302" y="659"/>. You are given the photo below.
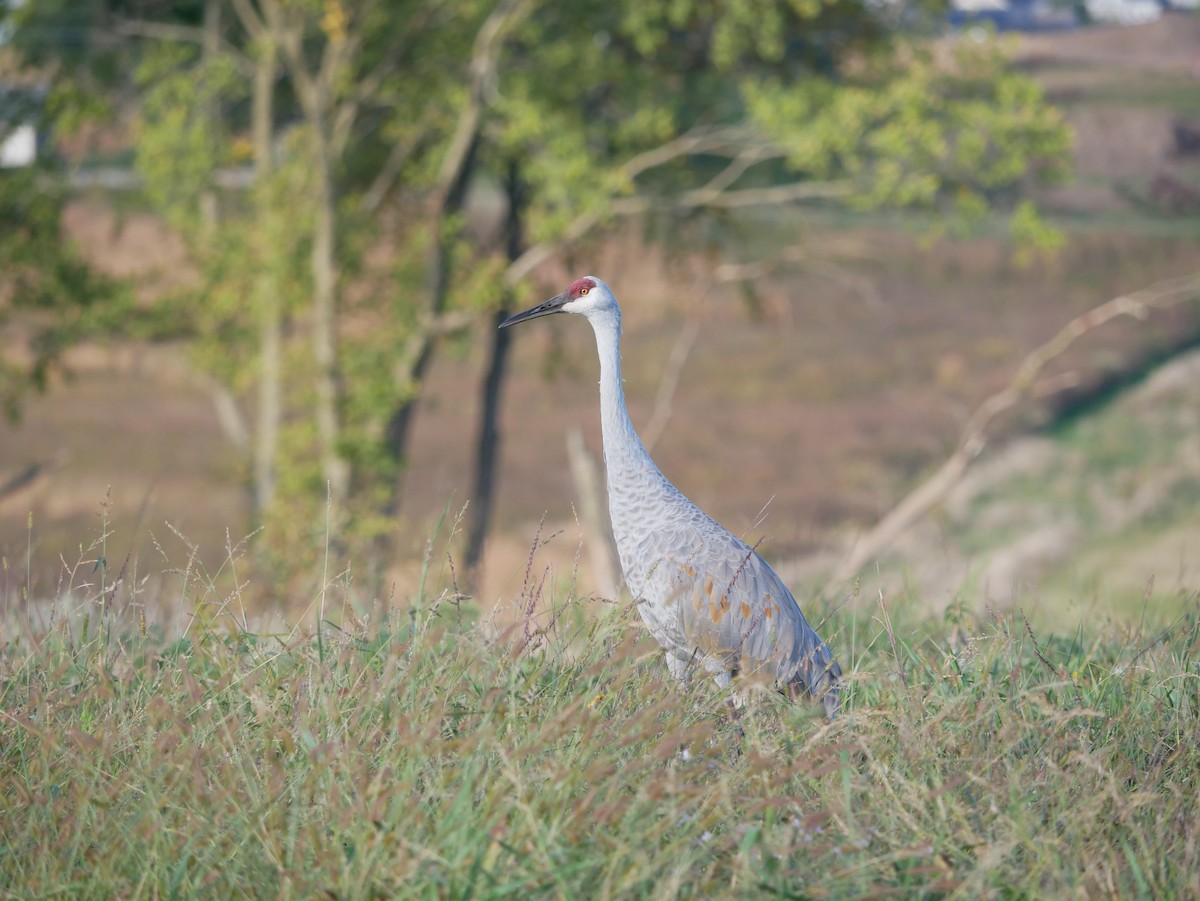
<point x="425" y="755"/>
<point x="160" y="736"/>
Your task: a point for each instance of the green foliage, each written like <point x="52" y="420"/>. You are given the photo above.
<point x="419" y="759"/>
<point x="44" y="284"/>
<point x="251" y="258"/>
<point x="179" y="144"/>
<point x="589" y="101"/>
<point x="50" y="298"/>
<point x="1031" y="232"/>
<point x="910" y="131"/>
<point x="590" y="86"/>
<point x="797" y="36"/>
<point x="883" y="118"/>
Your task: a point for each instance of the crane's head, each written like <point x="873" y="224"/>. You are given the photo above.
<point x="586" y="296"/>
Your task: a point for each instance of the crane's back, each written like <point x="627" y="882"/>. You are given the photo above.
<point x="708" y="598"/>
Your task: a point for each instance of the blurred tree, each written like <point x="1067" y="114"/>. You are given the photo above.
<point x="49" y="297"/>
<point x="674" y="110"/>
<point x="47" y="292"/>
<point x="369" y="122"/>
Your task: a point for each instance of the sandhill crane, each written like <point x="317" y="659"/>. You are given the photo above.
<point x="706" y="596"/>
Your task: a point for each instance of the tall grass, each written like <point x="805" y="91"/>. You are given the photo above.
<point x="421" y="756"/>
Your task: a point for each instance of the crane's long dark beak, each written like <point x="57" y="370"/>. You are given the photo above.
<point x="553" y="305"/>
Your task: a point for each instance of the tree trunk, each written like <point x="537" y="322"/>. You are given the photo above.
<point x="316" y="91"/>
<point x="270" y="376"/>
<point x="211" y="47"/>
<point x="325" y="335"/>
<point x="487" y="448"/>
<point x="593" y="510"/>
<point x="437" y="289"/>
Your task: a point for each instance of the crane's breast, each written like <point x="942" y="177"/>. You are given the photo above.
<point x="702" y="589"/>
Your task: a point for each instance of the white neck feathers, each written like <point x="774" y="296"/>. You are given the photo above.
<point x="623" y="448"/>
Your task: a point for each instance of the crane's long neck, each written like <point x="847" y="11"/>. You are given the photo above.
<point x="639" y="495"/>
<point x="624" y="453"/>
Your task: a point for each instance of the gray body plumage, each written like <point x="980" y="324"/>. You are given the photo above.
<point x="707" y="597"/>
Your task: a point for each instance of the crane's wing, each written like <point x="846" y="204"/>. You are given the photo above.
<point x="727" y="604"/>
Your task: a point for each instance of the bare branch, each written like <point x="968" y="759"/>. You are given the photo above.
<point x="251" y="20"/>
<point x="864" y="287"/>
<point x="229" y="414"/>
<point x="701" y="139"/>
<point x="400" y="154"/>
<point x="290" y="39"/>
<point x="369" y="84"/>
<point x="803" y="256"/>
<point x="590" y="492"/>
<point x="735" y="170"/>
<point x="456" y="163"/>
<point x="26" y="479"/>
<point x="534" y="257"/>
<point x="1025" y="383"/>
<point x="696" y="140"/>
<point x="446" y="199"/>
<point x="184" y="34"/>
<point x="748" y="271"/>
<point x="373" y="80"/>
<point x="337" y="51"/>
<point x="483" y="76"/>
<point x="701" y="197"/>
<point x="669" y="383"/>
<point x="744" y="146"/>
<point x="425" y="332"/>
<point x="450" y="322"/>
<point x="789" y="193"/>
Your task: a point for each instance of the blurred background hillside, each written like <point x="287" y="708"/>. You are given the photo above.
<point x="252" y="255"/>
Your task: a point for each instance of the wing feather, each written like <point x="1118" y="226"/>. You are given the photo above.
<point x="709" y="592"/>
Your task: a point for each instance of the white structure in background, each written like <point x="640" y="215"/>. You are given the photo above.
<point x="1123" y="12"/>
<point x="18" y="140"/>
<point x="1012" y="15"/>
<point x="980" y="6"/>
<point x="1050" y="15"/>
<point x="18" y="146"/>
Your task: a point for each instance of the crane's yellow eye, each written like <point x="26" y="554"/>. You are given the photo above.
<point x="584" y="290"/>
